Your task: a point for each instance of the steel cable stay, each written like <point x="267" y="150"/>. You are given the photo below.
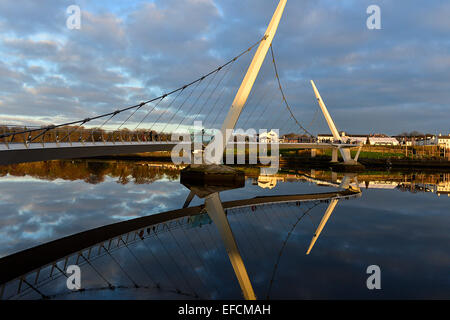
<point x="156" y="284"/>
<point x="205" y="88"/>
<point x="284" y="245"/>
<point x="219" y="97"/>
<point x="86" y="261"/>
<point x="227" y="104"/>
<point x="149" y="112"/>
<point x="314" y="118"/>
<point x="251" y="111"/>
<point x="139" y="105"/>
<point x="268" y="216"/>
<point x="274" y="112"/>
<point x="273" y="121"/>
<point x="181" y="105"/>
<point x="244" y="212"/>
<point x="276" y="216"/>
<point x="261" y="247"/>
<point x="176" y="265"/>
<point x="254" y="109"/>
<point x="104" y="123"/>
<point x="259" y="236"/>
<point x="214" y="239"/>
<point x="283" y="95"/>
<point x="121" y="268"/>
<point x="247" y="245"/>
<point x="161" y="266"/>
<point x="110" y="286"/>
<point x="211" y="94"/>
<point x="264" y="110"/>
<point x="250" y="245"/>
<point x="52" y="277"/>
<point x="166" y="108"/>
<point x="183" y="253"/>
<point x="129" y="117"/>
<point x="291" y="128"/>
<point x="43" y="296"/>
<point x="202" y="261"/>
<point x="262" y="209"/>
<point x="97" y="272"/>
<point x="224" y="106"/>
<point x="272" y="222"/>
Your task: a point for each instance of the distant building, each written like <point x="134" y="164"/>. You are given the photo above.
<point x="267" y="182"/>
<point x="422" y="140"/>
<point x="443" y="141"/>
<point x="347" y="138"/>
<point x="324" y="138"/>
<point x="296" y="138"/>
<point x="268" y="137"/>
<point x="383" y="141"/>
<point x="372" y="139"/>
<point x="443" y="187"/>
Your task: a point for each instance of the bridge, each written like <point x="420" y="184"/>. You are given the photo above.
<point x="20" y="152"/>
<point x="149" y="125"/>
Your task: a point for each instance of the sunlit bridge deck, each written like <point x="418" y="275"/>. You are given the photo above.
<point x="19" y="152"/>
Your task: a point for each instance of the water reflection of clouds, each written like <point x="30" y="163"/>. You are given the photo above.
<point x="35" y="211"/>
<point x="412" y="266"/>
<point x="406" y="234"/>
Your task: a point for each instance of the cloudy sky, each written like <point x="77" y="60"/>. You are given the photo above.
<point x="390" y="80"/>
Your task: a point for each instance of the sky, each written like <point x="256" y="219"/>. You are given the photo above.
<point x="389" y="81"/>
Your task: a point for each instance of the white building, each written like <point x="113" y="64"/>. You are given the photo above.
<point x="410" y="141"/>
<point x="346" y="138"/>
<point x="444" y="141"/>
<point x="383" y="141"/>
<point x="268" y="137"/>
<point x="355" y="139"/>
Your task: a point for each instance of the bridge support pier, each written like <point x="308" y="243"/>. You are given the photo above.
<point x="313" y="153"/>
<point x="334" y="176"/>
<point x="334" y="155"/>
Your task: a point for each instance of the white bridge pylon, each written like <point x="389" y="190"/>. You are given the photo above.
<point x="219" y="145"/>
<point x="345" y="152"/>
<point x="212" y="202"/>
<point x="248" y="81"/>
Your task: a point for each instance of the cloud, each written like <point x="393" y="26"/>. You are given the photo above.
<point x="125" y="53"/>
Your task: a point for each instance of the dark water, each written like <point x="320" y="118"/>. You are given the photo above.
<point x="400" y="222"/>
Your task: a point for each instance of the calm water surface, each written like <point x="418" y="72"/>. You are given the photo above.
<point x="400" y="222"/>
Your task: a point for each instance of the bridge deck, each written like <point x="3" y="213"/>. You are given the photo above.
<point x="18" y="152"/>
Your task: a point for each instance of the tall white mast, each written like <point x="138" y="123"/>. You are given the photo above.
<point x="326" y="114"/>
<point x="250" y="77"/>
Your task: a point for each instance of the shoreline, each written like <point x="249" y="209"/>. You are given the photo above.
<point x="319" y="162"/>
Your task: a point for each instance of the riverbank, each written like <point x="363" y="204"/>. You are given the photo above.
<point x="325" y="162"/>
<point x="321" y="161"/>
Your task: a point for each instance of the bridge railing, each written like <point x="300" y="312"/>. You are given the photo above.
<point x="70" y="134"/>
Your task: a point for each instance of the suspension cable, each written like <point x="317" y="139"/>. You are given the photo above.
<point x="283" y="96"/>
<point x="139" y="105"/>
<point x="283" y="247"/>
<point x="197" y="99"/>
<point x="181" y="105"/>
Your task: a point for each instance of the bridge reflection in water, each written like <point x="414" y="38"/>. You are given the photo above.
<point x="173" y="255"/>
